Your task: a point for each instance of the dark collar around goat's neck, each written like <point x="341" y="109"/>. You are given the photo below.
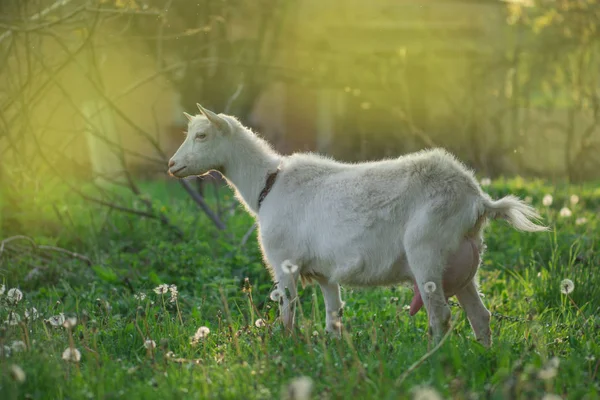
<point x="268" y="185"/>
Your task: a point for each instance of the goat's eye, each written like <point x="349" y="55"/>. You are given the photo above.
<point x="201" y="136"/>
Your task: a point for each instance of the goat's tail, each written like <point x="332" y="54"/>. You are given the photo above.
<point x="518" y="213"/>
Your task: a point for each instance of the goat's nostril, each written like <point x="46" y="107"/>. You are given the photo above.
<point x="171" y="163"/>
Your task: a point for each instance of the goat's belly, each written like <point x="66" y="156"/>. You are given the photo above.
<point x="377" y="274"/>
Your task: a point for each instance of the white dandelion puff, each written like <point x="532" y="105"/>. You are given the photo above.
<point x="299" y="388"/>
<point x="70" y="322"/>
<point x="56" y="320"/>
<point x="161" y="289"/>
<point x="276" y="295"/>
<point x="486" y="182"/>
<point x="567" y="286"/>
<point x="288" y="267"/>
<point x="260" y="323"/>
<point x="426" y="393"/>
<point x="200" y="334"/>
<point x="32" y="314"/>
<point x="18" y="346"/>
<point x="13" y="318"/>
<point x="430" y="287"/>
<point x="581" y="221"/>
<point x="14" y="295"/>
<point x="174" y="293"/>
<point x="574" y="199"/>
<point x="547" y="200"/>
<point x="17" y="373"/>
<point x="141" y="296"/>
<point x="71" y="355"/>
<point x="150" y="344"/>
<point x="565" y="212"/>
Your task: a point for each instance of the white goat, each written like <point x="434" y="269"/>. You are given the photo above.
<point x="416" y="218"/>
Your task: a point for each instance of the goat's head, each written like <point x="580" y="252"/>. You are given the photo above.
<point x="205" y="147"/>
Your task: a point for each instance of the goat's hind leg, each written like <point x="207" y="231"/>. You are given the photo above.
<point x="428" y="267"/>
<point x="478" y="315"/>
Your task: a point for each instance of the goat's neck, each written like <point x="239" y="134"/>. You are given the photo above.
<point x="249" y="164"/>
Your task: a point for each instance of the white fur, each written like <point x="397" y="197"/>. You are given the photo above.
<point x="364" y="224"/>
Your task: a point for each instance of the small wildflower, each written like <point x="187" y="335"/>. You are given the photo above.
<point x="200" y="334"/>
<point x="56" y="320"/>
<point x="260" y="323"/>
<point x="426" y="393"/>
<point x="276" y="295"/>
<point x="565" y="212"/>
<point x="71" y="354"/>
<point x="17" y="373"/>
<point x="393" y="299"/>
<point x="299" y="389"/>
<point x="70" y="322"/>
<point x="581" y="221"/>
<point x="141" y="296"/>
<point x="174" y="293"/>
<point x="150" y="344"/>
<point x="161" y="289"/>
<point x="2" y="289"/>
<point x="14" y="295"/>
<point x="288" y="267"/>
<point x="406" y="307"/>
<point x="574" y="199"/>
<point x="13" y="319"/>
<point x="567" y="286"/>
<point x="32" y="314"/>
<point x="430" y="287"/>
<point x="547" y="200"/>
<point x="315" y="333"/>
<point x="18" y="346"/>
<point x="486" y="182"/>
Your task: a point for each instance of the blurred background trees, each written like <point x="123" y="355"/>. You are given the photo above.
<point x="92" y="91"/>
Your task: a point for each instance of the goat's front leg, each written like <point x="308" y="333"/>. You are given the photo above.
<point x="288" y="292"/>
<point x="333" y="306"/>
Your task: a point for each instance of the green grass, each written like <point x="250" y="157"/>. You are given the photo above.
<point x="520" y="278"/>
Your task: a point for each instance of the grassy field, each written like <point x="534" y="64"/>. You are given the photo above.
<point x="124" y="340"/>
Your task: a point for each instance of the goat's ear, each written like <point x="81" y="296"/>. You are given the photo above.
<point x="188" y="116"/>
<point x="213" y="118"/>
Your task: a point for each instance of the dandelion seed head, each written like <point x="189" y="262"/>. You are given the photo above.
<point x="486" y="182"/>
<point x="150" y="344"/>
<point x="565" y="212"/>
<point x="288" y="267"/>
<point x="567" y="286"/>
<point x="276" y="295"/>
<point x="161" y="289"/>
<point x="260" y="323"/>
<point x="71" y="355"/>
<point x="17" y="373"/>
<point x="547" y="200"/>
<point x="14" y="295"/>
<point x="425" y="393"/>
<point x="581" y="221"/>
<point x="574" y="199"/>
<point x="18" y="346"/>
<point x="56" y="320"/>
<point x="32" y="314"/>
<point x="141" y="296"/>
<point x="430" y="287"/>
<point x="13" y="319"/>
<point x="299" y="388"/>
<point x="200" y="334"/>
<point x="70" y="322"/>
